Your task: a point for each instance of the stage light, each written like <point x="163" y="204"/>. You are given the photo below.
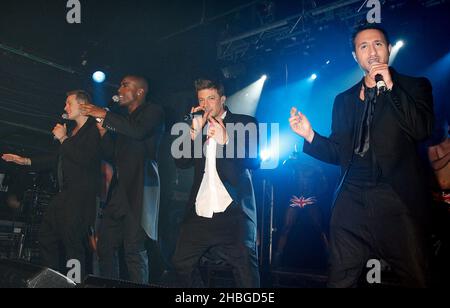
<point x="99" y="77"/>
<point x="400" y="44"/>
<point x="328" y="62"/>
<point x="313" y="77"/>
<point x="266" y="155"/>
<point x="246" y="100"/>
<point x="395" y="51"/>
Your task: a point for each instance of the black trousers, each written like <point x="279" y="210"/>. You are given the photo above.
<point x="372" y="222"/>
<point x="231" y="236"/>
<point x="60" y="229"/>
<point x="123" y="232"/>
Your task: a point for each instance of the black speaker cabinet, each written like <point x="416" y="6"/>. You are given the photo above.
<point x="19" y="274"/>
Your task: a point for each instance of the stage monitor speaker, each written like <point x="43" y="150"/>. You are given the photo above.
<point x="19" y="274"/>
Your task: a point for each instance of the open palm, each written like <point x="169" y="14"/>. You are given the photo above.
<point x="300" y="124"/>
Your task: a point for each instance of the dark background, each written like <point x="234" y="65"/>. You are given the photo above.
<point x="173" y="42"/>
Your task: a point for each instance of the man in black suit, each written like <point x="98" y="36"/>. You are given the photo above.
<point x="72" y="211"/>
<point x="221" y="213"/>
<point x="381" y="203"/>
<point x="131" y="214"/>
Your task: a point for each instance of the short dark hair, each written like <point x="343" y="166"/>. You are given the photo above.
<point x="81" y="96"/>
<point x="203" y="84"/>
<point x="140" y="81"/>
<point x="366" y="26"/>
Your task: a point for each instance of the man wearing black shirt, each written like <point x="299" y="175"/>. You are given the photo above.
<point x="381" y="202"/>
<point x="131" y="145"/>
<point x="72" y="211"/>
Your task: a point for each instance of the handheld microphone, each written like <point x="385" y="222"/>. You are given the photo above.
<point x="116" y="99"/>
<point x="192" y="115"/>
<point x="65" y="117"/>
<point x="381" y="85"/>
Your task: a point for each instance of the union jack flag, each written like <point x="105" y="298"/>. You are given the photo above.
<point x="302" y="202"/>
<point x="446" y="197"/>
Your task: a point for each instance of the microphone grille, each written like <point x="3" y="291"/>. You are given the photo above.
<point x="116" y="98"/>
<point x="65" y="116"/>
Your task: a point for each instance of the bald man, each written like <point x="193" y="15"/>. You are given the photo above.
<point x="131" y="145"/>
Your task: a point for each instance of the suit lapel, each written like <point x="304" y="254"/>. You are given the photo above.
<point x="353" y="98"/>
<point x="350" y="111"/>
<point x="228" y="117"/>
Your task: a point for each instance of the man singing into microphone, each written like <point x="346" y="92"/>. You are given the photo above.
<point x="131" y="214"/>
<point x="381" y="204"/>
<point x="72" y="211"/>
<point x="221" y="213"/>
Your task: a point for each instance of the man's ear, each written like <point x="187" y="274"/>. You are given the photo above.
<point x="223" y="99"/>
<point x="390" y="49"/>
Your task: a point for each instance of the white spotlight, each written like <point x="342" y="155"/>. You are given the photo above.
<point x="99" y="77"/>
<point x="266" y="155"/>
<point x="395" y="51"/>
<point x="246" y="100"/>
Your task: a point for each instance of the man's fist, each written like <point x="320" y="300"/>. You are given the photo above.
<point x="60" y="131"/>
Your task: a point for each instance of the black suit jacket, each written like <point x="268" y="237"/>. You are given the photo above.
<point x="234" y="171"/>
<point x="78" y="159"/>
<point x="403" y="117"/>
<point x="132" y="145"/>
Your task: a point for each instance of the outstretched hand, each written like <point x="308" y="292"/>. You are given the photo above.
<point x="16" y="159"/>
<point x="300" y="125"/>
<point x="92" y="111"/>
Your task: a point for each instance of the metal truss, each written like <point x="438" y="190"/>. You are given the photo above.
<point x="296" y="30"/>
